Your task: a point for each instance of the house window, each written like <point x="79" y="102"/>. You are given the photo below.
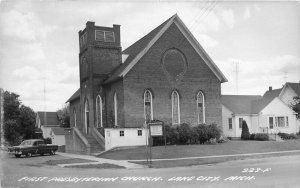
<point x="75" y="119"/>
<point x="271" y="122"/>
<point x="139" y="132"/>
<point x="200" y="107"/>
<point x="175" y="108"/>
<point x="230" y="123"/>
<point x="121" y="133"/>
<point x="99" y="111"/>
<point x="240" y="122"/>
<point x="280" y="121"/>
<point x="148" y="110"/>
<point x="86" y="115"/>
<point x="106" y="36"/>
<point x="115" y="108"/>
<point x="287" y="121"/>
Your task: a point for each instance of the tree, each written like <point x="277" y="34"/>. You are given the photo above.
<point x="245" y="131"/>
<point x="11" y="106"/>
<point x="19" y="120"/>
<point x="64" y="116"/>
<point x="26" y="122"/>
<point x="296" y="106"/>
<point x="11" y="132"/>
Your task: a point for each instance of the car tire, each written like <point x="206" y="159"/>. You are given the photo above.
<point x="28" y="154"/>
<point x="42" y="154"/>
<point x="18" y="155"/>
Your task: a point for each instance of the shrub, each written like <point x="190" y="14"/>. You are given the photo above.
<point x="207" y="132"/>
<point x="252" y="136"/>
<point x="172" y="134"/>
<point x="202" y="132"/>
<point x="185" y="133"/>
<point x="245" y="131"/>
<point x="214" y="131"/>
<point x="261" y="136"/>
<point x="48" y="140"/>
<point x="286" y="136"/>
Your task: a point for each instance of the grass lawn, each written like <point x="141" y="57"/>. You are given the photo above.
<point x="67" y="161"/>
<point x="206" y="161"/>
<point x="179" y="151"/>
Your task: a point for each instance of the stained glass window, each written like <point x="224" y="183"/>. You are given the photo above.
<point x="200" y="108"/>
<point x="175" y="108"/>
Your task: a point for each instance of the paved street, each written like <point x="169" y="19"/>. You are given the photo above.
<point x="265" y="172"/>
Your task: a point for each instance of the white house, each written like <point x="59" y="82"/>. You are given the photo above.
<point x="45" y="121"/>
<point x="267" y="113"/>
<point x="57" y="135"/>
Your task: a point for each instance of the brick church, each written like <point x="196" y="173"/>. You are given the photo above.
<point x="165" y="75"/>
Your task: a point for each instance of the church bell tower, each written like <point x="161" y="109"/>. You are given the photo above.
<point x="100" y="53"/>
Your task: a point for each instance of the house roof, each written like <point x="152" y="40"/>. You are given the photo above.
<point x="239" y="104"/>
<point x="140" y="48"/>
<point x="75" y="96"/>
<point x="58" y="130"/>
<point x="269" y="95"/>
<point x="295" y="87"/>
<point x="249" y="104"/>
<point x="51" y="118"/>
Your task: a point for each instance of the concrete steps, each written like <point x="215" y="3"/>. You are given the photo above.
<point x="95" y="146"/>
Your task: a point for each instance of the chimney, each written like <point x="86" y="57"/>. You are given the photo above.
<point x="270" y="88"/>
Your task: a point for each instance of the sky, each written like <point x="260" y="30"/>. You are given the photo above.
<point x="255" y="44"/>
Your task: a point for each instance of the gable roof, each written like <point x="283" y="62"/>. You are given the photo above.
<point x="137" y="50"/>
<point x="75" y="96"/>
<point x="249" y="104"/>
<point x="269" y="95"/>
<point x="58" y="131"/>
<point x="239" y="104"/>
<point x="51" y="118"/>
<point x="295" y="87"/>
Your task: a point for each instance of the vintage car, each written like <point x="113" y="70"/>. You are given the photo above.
<point x="31" y="147"/>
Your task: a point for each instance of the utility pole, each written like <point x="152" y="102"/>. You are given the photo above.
<point x="45" y="107"/>
<point x="1" y="118"/>
<point x="236" y="76"/>
<point x="285" y="76"/>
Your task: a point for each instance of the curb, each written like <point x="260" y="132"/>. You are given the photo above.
<point x="219" y="156"/>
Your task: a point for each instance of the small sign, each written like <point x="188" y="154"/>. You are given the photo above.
<point x="156" y="129"/>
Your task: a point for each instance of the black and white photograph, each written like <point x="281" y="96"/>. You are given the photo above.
<point x="149" y="93"/>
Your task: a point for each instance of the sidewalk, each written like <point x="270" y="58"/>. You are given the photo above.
<point x="123" y="163"/>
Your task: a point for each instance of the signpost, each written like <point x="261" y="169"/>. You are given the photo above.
<point x="156" y="128"/>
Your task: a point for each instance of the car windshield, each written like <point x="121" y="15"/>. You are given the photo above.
<point x="27" y="143"/>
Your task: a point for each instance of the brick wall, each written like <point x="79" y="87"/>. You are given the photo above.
<point x="148" y="73"/>
<point x="110" y="90"/>
<point x="75" y="105"/>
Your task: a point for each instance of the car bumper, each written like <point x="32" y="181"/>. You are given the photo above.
<point x="15" y="152"/>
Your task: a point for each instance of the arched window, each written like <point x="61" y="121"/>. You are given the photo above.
<point x="116" y="108"/>
<point x="200" y="107"/>
<point x="75" y="119"/>
<point x="175" y="108"/>
<point x="148" y="110"/>
<point x="99" y="111"/>
<point x="86" y="116"/>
